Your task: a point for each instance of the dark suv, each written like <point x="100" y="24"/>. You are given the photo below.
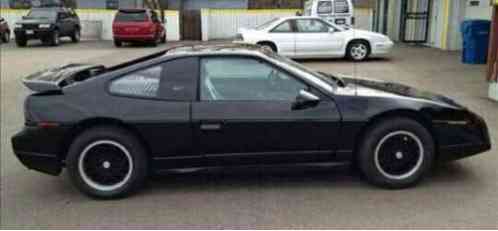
<point x="48" y="25"/>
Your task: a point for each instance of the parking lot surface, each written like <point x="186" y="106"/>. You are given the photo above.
<point x="457" y="194"/>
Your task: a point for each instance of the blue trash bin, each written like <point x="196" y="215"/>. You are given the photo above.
<point x="475" y="41"/>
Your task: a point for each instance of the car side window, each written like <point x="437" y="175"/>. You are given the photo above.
<point x="143" y="83"/>
<point x="285" y="27"/>
<point x="324" y="7"/>
<point x="246" y="79"/>
<point x="169" y="81"/>
<point x="311" y="26"/>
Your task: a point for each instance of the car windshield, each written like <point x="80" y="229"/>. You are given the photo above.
<point x="330" y="79"/>
<point x="124" y="16"/>
<point x="266" y="24"/>
<point x="42" y="13"/>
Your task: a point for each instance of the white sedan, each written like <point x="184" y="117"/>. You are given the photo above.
<point x="312" y="37"/>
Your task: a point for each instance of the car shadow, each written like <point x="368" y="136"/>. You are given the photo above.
<point x="343" y="60"/>
<point x="287" y="176"/>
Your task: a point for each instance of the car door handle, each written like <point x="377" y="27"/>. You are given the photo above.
<point x="211" y="126"/>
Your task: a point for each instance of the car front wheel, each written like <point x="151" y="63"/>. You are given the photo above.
<point x="107" y="162"/>
<point x="21" y="42"/>
<point x="358" y="50"/>
<point x="396" y="153"/>
<point x="55" y="39"/>
<point x="76" y="36"/>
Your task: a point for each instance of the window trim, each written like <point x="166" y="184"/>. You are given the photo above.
<point x="150" y="65"/>
<point x="308" y="86"/>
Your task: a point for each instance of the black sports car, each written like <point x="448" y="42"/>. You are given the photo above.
<point x="197" y="106"/>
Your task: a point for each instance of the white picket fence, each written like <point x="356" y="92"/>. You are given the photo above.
<point x="224" y="23"/>
<point x="97" y="17"/>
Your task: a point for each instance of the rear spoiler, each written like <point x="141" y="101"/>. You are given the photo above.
<point x="55" y="79"/>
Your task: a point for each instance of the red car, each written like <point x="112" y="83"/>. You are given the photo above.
<point x="138" y="25"/>
<point x="4" y="31"/>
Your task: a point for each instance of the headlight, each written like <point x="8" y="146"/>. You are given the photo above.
<point x="18" y="26"/>
<point x="44" y="26"/>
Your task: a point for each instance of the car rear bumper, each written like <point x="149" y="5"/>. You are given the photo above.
<point x="40" y="148"/>
<point x="135" y="38"/>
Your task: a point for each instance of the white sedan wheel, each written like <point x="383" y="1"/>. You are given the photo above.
<point x="358" y="51"/>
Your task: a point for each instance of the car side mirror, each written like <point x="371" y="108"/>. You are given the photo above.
<point x="305" y="100"/>
<point x="332" y="30"/>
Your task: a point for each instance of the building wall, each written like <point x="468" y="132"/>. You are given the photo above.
<point x="483" y="11"/>
<point x="93" y="4"/>
<point x="200" y="4"/>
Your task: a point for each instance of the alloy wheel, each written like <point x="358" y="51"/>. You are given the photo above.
<point x="105" y="165"/>
<point x="359" y="51"/>
<point x="399" y="155"/>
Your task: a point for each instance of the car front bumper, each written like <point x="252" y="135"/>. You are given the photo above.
<point x="382" y="48"/>
<point x="40" y="149"/>
<point x="36" y="33"/>
<point x="472" y="139"/>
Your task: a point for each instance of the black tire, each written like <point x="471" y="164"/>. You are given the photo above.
<point x="118" y="43"/>
<point x="268" y="45"/>
<point x="21" y="42"/>
<point x="385" y="163"/>
<point x="76" y="36"/>
<point x="125" y="155"/>
<point x="55" y="38"/>
<point x="163" y="39"/>
<point x="358" y="50"/>
<point x="6" y="37"/>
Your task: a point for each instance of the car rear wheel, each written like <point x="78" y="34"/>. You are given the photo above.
<point x="358" y="50"/>
<point x="118" y="43"/>
<point x="107" y="162"/>
<point x="76" y="36"/>
<point x="6" y="37"/>
<point x="396" y="153"/>
<point x="163" y="38"/>
<point x="55" y="40"/>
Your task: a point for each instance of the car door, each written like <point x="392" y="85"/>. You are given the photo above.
<point x="315" y="38"/>
<point x="245" y="114"/>
<point x="156" y="101"/>
<point x="284" y="37"/>
<point x="64" y="22"/>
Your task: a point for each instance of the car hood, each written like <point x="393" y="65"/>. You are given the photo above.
<point x="364" y="33"/>
<point x="35" y="21"/>
<point x="379" y="88"/>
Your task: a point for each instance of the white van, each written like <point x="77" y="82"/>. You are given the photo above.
<point x="339" y="12"/>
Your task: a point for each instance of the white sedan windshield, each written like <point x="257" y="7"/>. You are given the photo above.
<point x="266" y="24"/>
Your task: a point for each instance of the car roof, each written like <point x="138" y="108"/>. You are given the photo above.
<point x="299" y="17"/>
<point x="227" y="48"/>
